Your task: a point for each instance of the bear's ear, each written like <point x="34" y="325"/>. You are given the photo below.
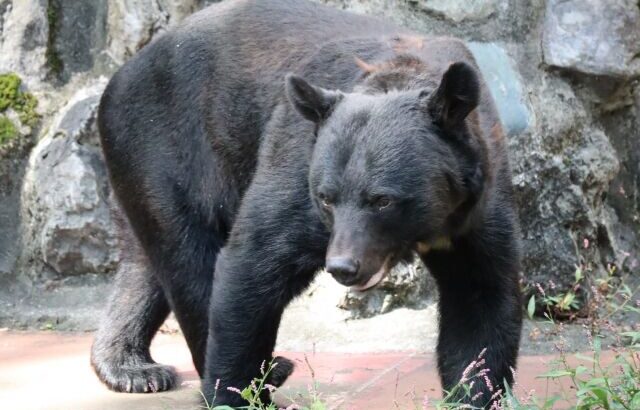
<point x="314" y="103"/>
<point x="457" y="95"/>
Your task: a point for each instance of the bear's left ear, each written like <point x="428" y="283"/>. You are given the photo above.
<point x="457" y="95"/>
<point x="314" y="103"/>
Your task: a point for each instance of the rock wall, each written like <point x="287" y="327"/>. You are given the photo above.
<point x="67" y="228"/>
<point x="564" y="75"/>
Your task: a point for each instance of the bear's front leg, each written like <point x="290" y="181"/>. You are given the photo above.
<point x="252" y="286"/>
<point x="480" y="312"/>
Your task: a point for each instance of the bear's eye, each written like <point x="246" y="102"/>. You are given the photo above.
<point x="382" y="202"/>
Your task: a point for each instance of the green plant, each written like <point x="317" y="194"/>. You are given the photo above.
<point x="22" y="103"/>
<point x="253" y="394"/>
<point x="9" y="90"/>
<point x="562" y="305"/>
<point x="48" y="326"/>
<point x="8" y="130"/>
<point x="26" y="105"/>
<point x="474" y="373"/>
<point x="597" y="383"/>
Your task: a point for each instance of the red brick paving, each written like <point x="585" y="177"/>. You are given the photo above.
<point x="47" y="370"/>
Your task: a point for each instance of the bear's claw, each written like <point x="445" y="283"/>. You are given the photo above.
<point x="142" y="378"/>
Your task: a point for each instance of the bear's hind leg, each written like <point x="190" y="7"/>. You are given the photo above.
<point x="187" y="278"/>
<point x="137" y="308"/>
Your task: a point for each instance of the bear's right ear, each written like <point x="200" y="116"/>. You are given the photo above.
<point x="313" y="103"/>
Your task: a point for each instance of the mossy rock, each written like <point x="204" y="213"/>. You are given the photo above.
<point x="12" y="97"/>
<point x="9" y="90"/>
<point x="26" y="107"/>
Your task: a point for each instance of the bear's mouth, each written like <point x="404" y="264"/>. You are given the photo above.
<point x="377" y="277"/>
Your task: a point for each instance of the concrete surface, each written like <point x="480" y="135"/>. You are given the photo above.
<point x="76" y="304"/>
<point x="312" y="322"/>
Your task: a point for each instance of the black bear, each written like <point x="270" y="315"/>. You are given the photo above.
<point x="261" y="141"/>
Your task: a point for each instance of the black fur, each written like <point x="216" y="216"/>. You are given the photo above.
<point x="218" y="161"/>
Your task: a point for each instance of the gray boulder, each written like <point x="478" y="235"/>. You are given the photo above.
<point x="406" y="285"/>
<point x="132" y="23"/>
<point x="460" y="10"/>
<point x="77" y="36"/>
<point x="562" y="169"/>
<point x="623" y="129"/>
<point x="67" y="226"/>
<point x="54" y="39"/>
<point x="23" y="38"/>
<point x="593" y="36"/>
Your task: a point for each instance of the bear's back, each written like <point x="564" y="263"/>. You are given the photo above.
<point x="220" y="74"/>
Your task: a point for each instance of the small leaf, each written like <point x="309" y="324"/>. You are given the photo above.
<point x="603" y="396"/>
<point x="635" y="401"/>
<point x="247" y="394"/>
<point x="565" y="304"/>
<point x="531" y="307"/>
<point x="578" y="274"/>
<point x="553" y="300"/>
<point x="585" y="358"/>
<point x="317" y="405"/>
<point x="632" y="309"/>
<point x="635" y="336"/>
<point x="549" y="402"/>
<point x="554" y="374"/>
<point x="596" y="381"/>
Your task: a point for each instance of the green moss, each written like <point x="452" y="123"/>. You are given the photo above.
<point x="9" y="90"/>
<point x="53" y="57"/>
<point x="26" y="107"/>
<point x="23" y="103"/>
<point x="8" y="130"/>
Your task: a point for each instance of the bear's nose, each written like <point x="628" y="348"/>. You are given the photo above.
<point x="343" y="269"/>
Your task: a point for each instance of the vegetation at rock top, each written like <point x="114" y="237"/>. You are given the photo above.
<point x="8" y="131"/>
<point x="21" y="102"/>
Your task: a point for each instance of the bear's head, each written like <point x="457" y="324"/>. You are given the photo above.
<point x="391" y="172"/>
